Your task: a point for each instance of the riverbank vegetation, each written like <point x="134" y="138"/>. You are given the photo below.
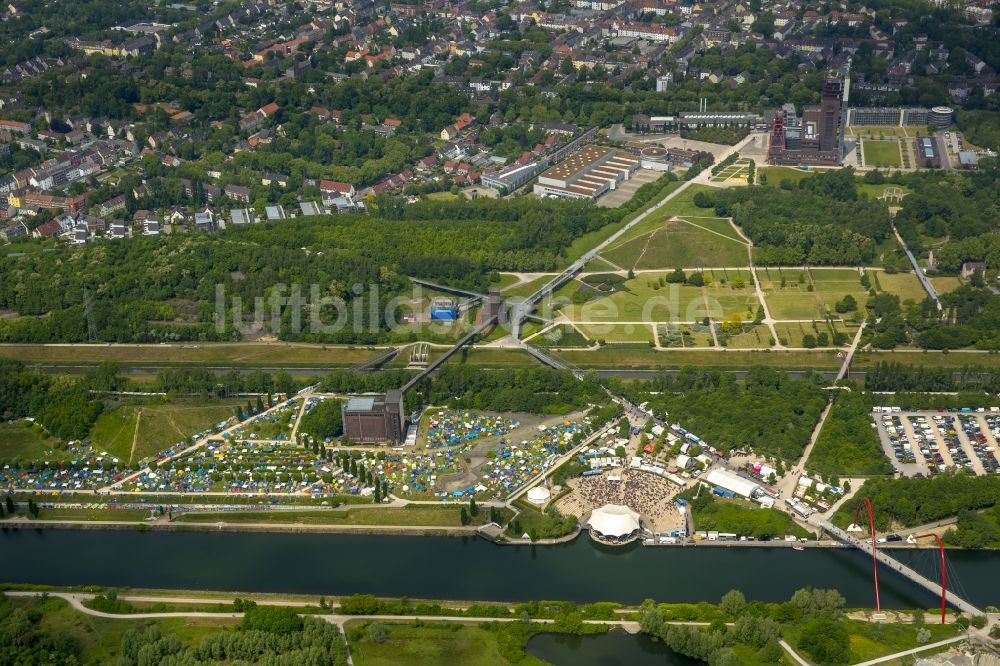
<point x="813" y="621"/>
<point x="767" y="411"/>
<point x="911" y="501"/>
<point x="743" y="518"/>
<point x="37" y="630"/>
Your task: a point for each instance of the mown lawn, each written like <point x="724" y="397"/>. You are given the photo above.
<point x="431" y="644"/>
<point x="421" y="516"/>
<point x="682" y="244"/>
<point x="881" y="153"/>
<point x="22" y="440"/>
<point x="160" y="425"/>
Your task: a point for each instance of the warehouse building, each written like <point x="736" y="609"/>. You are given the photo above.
<point x="587" y="174"/>
<point x="370" y="419"/>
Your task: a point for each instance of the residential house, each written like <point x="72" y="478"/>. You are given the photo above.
<point x="237" y="193"/>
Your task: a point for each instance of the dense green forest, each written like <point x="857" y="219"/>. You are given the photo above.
<point x="886" y="376"/>
<point x="164" y="288"/>
<point x="821" y="221"/>
<point x="62" y="405"/>
<point x="848" y="445"/>
<point x="768" y="411"/>
<point x="325" y="420"/>
<point x="532" y="389"/>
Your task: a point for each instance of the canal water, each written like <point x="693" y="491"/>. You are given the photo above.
<point x="615" y="648"/>
<point x="468" y="568"/>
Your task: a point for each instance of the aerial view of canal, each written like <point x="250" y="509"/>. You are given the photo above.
<point x="470" y="568"/>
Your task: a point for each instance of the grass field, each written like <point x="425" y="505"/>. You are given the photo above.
<point x="587" y="241"/>
<point x="905" y="285"/>
<point x="681" y="205"/>
<point x="682" y="244"/>
<point x="428" y="645"/>
<point x="21" y="440"/>
<point x="417" y="515"/>
<point x="875" y="130"/>
<point x="795" y="301"/>
<point x="638" y="357"/>
<point x="870" y="641"/>
<point x="563" y="335"/>
<point x="134" y="431"/>
<point x="791" y="333"/>
<point x="618" y="332"/>
<point x="881" y="153"/>
<point x="99" y="639"/>
<point x="942" y="285"/>
<point x="776" y="174"/>
<point x="642" y="299"/>
<point x="526" y="289"/>
<point x="279" y="354"/>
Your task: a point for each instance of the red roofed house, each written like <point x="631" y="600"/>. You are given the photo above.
<point x="334" y="188"/>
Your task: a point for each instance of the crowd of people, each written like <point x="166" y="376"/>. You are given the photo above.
<point x="649" y="494"/>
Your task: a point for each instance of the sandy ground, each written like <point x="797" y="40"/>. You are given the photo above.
<point x="646" y="493"/>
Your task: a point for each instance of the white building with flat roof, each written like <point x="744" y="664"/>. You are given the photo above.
<point x="587" y="174"/>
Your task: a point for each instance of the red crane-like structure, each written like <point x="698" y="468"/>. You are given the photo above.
<point x="944" y="574"/>
<point x="871" y="525"/>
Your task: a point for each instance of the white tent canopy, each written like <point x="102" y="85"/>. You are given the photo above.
<point x="539" y="495"/>
<point x="733" y="482"/>
<point x="614" y="521"/>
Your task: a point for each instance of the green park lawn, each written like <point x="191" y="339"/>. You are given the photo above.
<point x="99" y="639"/>
<point x="415" y="515"/>
<point x="563" y="335"/>
<point x="870" y="641"/>
<point x="22" y="440"/>
<point x="944" y="284"/>
<point x="430" y="644"/>
<point x="905" y="285"/>
<point x="617" y="333"/>
<point x="796" y="301"/>
<point x="686" y="243"/>
<point x="160" y="425"/>
<point x="590" y="239"/>
<point x="881" y="153"/>
<point x="279" y="354"/>
<point x="639" y="357"/>
<point x="526" y="289"/>
<point x="641" y="299"/>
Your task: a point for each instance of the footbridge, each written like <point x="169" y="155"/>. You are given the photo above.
<point x="436" y="363"/>
<point x="458" y="291"/>
<point x="880" y="557"/>
<point x="548" y="359"/>
<point x="373" y="363"/>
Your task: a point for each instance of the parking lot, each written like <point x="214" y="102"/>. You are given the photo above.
<point x="931" y="442"/>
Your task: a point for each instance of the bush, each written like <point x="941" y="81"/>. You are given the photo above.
<point x="271" y="619"/>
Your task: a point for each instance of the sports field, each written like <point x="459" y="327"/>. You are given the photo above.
<point x="881" y="153"/>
